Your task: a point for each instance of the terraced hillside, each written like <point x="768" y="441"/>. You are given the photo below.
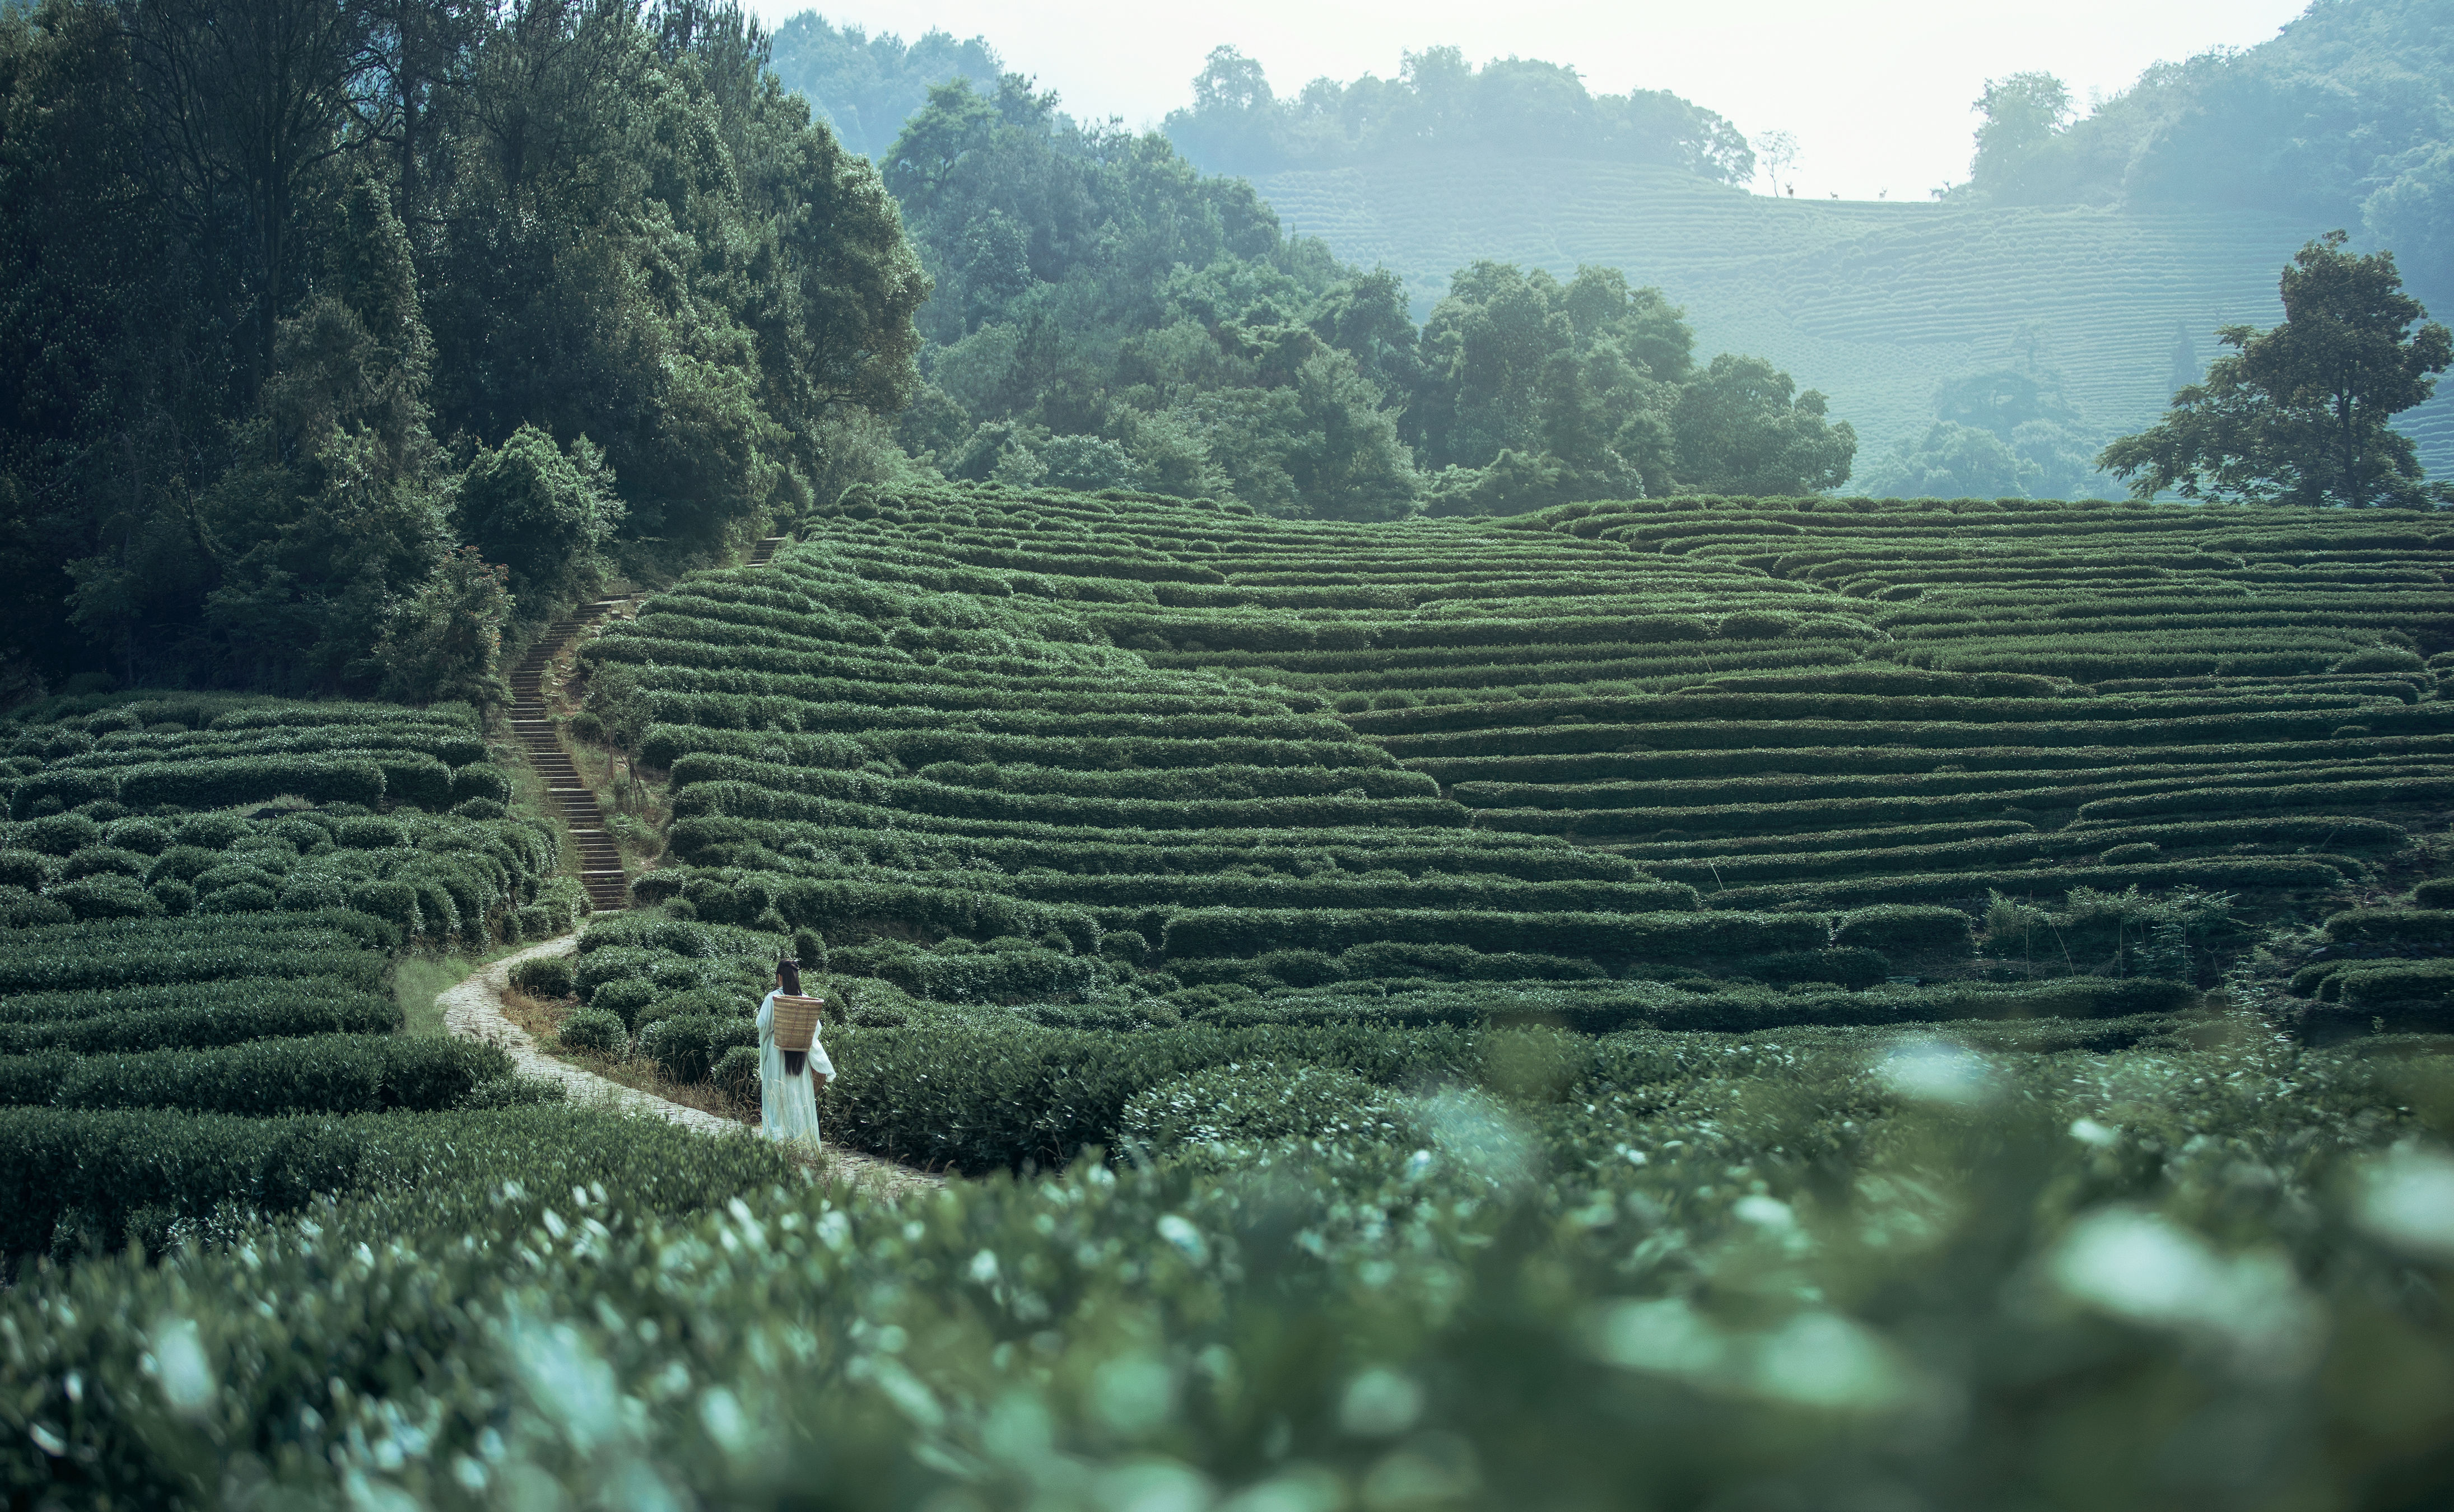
<point x="1720" y="765"/>
<point x="1873" y="303"/>
<point x="1470" y="942"/>
<point x="205" y="900"/>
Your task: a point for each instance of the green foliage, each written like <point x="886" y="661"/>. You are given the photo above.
<point x="1476" y="1109"/>
<point x="1439" y="102"/>
<point x="545" y="977"/>
<point x="864" y="86"/>
<point x="333" y="1073"/>
<point x="2299" y="413"/>
<point x="1904" y="928"/>
<point x="594" y="1029"/>
<point x="687" y="1047"/>
<point x="446" y="640"/>
<point x="81" y="1180"/>
<point x="604" y="227"/>
<point x="1743" y="428"/>
<point x="540" y="512"/>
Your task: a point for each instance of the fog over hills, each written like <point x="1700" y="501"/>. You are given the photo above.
<point x="1873" y="303"/>
<point x="2103" y="248"/>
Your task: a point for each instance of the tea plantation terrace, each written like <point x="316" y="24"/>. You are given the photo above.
<point x="1711" y="764"/>
<point x="204" y="904"/>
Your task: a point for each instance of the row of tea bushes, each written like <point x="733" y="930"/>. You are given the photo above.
<point x="896" y="702"/>
<point x="204" y="901"/>
<point x="2386" y="967"/>
<point x="435" y="876"/>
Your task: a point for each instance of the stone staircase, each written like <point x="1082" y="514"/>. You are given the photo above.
<point x="764" y="552"/>
<point x="600" y="858"/>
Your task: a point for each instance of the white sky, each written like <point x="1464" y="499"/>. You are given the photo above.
<point x="1876" y="91"/>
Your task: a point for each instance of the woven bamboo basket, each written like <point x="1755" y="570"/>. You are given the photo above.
<point x="796" y="1021"/>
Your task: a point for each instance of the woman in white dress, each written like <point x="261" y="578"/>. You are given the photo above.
<point x="788" y="1080"/>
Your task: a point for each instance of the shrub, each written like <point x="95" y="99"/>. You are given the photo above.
<point x="393" y="901"/>
<point x="593" y="1029"/>
<point x="480" y="809"/>
<point x="2135" y="851"/>
<point x="104" y="1177"/>
<point x="145" y="836"/>
<point x="2394" y="927"/>
<point x="60" y="834"/>
<point x="1643" y="936"/>
<point x="96" y="860"/>
<point x="49" y="792"/>
<point x="330" y="1073"/>
<point x="516" y="1091"/>
<point x="737" y="1074"/>
<point x="20" y="910"/>
<point x="623" y="998"/>
<point x="1257" y="1100"/>
<point x="685" y="1048"/>
<point x="108" y="896"/>
<point x="245" y="897"/>
<point x="22" y="870"/>
<point x="194" y="1014"/>
<point x="1847" y="965"/>
<point x="546" y="977"/>
<point x="1909" y="928"/>
<point x="371" y="833"/>
<point x="212" y="831"/>
<point x="253" y="779"/>
<point x="694" y="1002"/>
<point x="481" y="781"/>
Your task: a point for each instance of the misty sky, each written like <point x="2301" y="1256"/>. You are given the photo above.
<point x="1877" y="93"/>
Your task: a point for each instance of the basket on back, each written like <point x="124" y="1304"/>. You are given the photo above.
<point x="796" y="1021"/>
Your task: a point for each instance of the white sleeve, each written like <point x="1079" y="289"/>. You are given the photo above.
<point x="820" y="1064"/>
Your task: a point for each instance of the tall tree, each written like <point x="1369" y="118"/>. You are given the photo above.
<point x="1745" y="427"/>
<point x="2299" y="413"/>
<point x="2022" y="113"/>
<point x="246" y="99"/>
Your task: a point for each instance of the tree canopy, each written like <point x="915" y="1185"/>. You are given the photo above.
<point x="2299" y="413"/>
<point x="865" y="87"/>
<point x="1107" y="316"/>
<point x="2005" y="431"/>
<point x="295" y="298"/>
<point x="1439" y="102"/>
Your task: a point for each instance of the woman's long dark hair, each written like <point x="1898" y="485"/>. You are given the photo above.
<point x="787" y="981"/>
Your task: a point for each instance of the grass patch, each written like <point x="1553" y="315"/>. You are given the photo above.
<point x="420" y="982"/>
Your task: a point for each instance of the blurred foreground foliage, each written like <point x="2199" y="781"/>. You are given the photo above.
<point x="1787" y="1273"/>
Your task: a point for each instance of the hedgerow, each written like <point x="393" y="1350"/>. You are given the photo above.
<point x="193" y="1015"/>
<point x="327" y="1073"/>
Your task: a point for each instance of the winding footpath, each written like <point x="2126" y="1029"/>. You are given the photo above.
<point x="474" y="1008"/>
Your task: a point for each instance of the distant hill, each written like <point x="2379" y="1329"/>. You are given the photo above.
<point x="1876" y="304"/>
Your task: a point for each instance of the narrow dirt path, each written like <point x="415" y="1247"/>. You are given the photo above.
<point x="474" y="1008"/>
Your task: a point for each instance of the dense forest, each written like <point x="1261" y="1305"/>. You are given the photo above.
<point x="1104" y="315"/>
<point x="298" y="298"/>
<point x="865" y="87"/>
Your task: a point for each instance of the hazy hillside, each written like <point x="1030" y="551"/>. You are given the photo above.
<point x="1874" y="303"/>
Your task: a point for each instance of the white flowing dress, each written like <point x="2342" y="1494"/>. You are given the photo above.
<point x="788" y="1105"/>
